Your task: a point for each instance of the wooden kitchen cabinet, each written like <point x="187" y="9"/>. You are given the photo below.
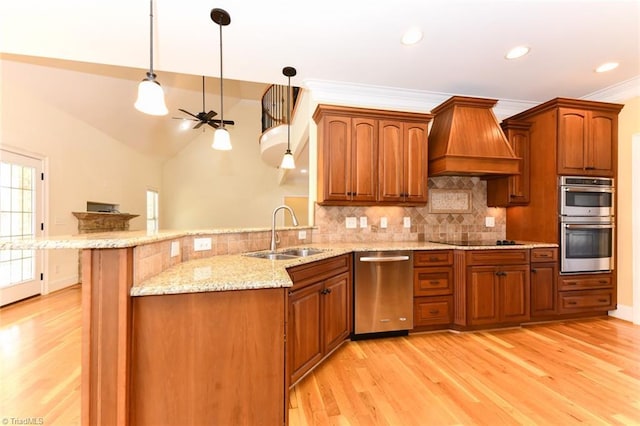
<point x="586" y="293"/>
<point x="320" y="312"/>
<point x="432" y="289"/>
<point x="402" y="162"/>
<point x="587" y="142"/>
<point x="368" y="157"/>
<point x="513" y="190"/>
<point x="544" y="278"/>
<point x="491" y="288"/>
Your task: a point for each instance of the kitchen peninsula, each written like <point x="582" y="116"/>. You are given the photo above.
<point x="197" y="337"/>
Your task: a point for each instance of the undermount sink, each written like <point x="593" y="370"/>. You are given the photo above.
<point x="292" y="253"/>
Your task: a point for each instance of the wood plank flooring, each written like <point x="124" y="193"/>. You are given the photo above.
<point x="563" y="373"/>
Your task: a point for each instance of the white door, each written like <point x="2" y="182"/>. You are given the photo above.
<point x="21" y="195"/>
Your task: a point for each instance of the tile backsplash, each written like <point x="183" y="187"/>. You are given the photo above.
<point x="425" y="225"/>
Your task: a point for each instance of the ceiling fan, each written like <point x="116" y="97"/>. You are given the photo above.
<point x="204" y="117"/>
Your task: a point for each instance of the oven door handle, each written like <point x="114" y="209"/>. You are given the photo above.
<point x="586" y="226"/>
<point x="573" y="189"/>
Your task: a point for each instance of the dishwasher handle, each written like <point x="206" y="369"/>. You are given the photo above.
<point x="375" y="259"/>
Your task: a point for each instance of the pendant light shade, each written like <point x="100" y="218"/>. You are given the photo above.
<point x="287" y="160"/>
<point x="150" y="94"/>
<point x="221" y="138"/>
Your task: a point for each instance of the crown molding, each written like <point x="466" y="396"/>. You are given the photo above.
<point x="618" y="93"/>
<point x="394" y="98"/>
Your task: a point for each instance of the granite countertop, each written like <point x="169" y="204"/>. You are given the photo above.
<point x="241" y="272"/>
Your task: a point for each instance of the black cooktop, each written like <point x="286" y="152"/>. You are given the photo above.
<point x="487" y="243"/>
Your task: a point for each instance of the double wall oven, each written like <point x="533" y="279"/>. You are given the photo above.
<point x="587" y="225"/>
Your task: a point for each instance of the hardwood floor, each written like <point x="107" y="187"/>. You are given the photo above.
<point x="40" y="359"/>
<point x="573" y="372"/>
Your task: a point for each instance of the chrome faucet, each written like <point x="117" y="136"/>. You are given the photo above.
<point x="273" y="224"/>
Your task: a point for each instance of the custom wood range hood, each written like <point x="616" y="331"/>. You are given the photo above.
<point x="466" y="139"/>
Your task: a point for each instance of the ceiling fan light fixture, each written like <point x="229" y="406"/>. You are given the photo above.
<point x="608" y="66"/>
<point x="221" y="140"/>
<point x="287" y="160"/>
<point x="517" y="52"/>
<point x="412" y="36"/>
<point x="151" y="97"/>
<point x="150" y="94"/>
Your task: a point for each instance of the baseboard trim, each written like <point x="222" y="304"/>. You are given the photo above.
<point x="623" y="312"/>
<point x="60" y="284"/>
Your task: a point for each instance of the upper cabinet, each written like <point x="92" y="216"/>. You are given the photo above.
<point x="368" y="157"/>
<point x="402" y="162"/>
<point x="513" y="190"/>
<point x="586" y="141"/>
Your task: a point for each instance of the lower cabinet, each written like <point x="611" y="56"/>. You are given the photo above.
<point x="320" y="312"/>
<point x="544" y="279"/>
<point x="586" y="293"/>
<point x="432" y="289"/>
<point x="492" y="287"/>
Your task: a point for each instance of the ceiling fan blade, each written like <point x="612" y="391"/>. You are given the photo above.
<point x="210" y="115"/>
<point x="229" y="122"/>
<point x="187" y="112"/>
<point x="183" y="118"/>
<point x="197" y="126"/>
<point x="212" y="124"/>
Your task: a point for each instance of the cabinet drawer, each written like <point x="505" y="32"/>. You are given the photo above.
<point x="539" y="255"/>
<point x="310" y="273"/>
<point x="594" y="300"/>
<point x="432" y="310"/>
<point x="432" y="281"/>
<point x="584" y="283"/>
<point x="433" y="258"/>
<point x="497" y="257"/>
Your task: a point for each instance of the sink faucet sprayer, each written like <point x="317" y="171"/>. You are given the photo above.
<point x="273" y="224"/>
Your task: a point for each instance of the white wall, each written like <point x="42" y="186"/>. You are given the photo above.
<point x="84" y="164"/>
<point x="204" y="188"/>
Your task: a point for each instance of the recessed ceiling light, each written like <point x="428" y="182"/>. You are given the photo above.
<point x="412" y="36"/>
<point x="517" y="52"/>
<point x="607" y="67"/>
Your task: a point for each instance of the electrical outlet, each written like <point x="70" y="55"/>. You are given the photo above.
<point x="363" y="222"/>
<point x="406" y="221"/>
<point x="383" y="222"/>
<point x="175" y="248"/>
<point x="200" y="244"/>
<point x="351" y="223"/>
<point x="489" y="221"/>
<point x="302" y="235"/>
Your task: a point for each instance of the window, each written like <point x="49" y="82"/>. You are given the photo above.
<point x="152" y="210"/>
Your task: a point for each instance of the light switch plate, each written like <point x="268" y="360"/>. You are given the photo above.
<point x="175" y="248"/>
<point x="406" y="221"/>
<point x="351" y="223"/>
<point x="363" y="222"/>
<point x="383" y="222"/>
<point x="489" y="221"/>
<point x="200" y="244"/>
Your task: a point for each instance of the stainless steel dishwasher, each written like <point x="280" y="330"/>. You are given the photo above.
<point x="383" y="292"/>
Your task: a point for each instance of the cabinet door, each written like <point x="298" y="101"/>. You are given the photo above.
<point x="600" y="143"/>
<point x="543" y="289"/>
<point x="572" y="136"/>
<point x="364" y="165"/>
<point x="391" y="160"/>
<point x="336" y="297"/>
<point x="483" y="302"/>
<point x="514" y="293"/>
<point x="415" y="162"/>
<point x="337" y="158"/>
<point x="304" y="338"/>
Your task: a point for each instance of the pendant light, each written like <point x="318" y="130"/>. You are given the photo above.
<point x="221" y="138"/>
<point x="150" y="95"/>
<point x="287" y="159"/>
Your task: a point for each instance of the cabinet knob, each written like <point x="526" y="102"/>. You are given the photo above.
<point x="534" y="270"/>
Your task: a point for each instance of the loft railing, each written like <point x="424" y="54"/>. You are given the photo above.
<point x="274" y="105"/>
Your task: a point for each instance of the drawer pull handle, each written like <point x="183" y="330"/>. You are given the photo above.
<point x="603" y="282"/>
<point x="433" y="259"/>
<point x="572" y="283"/>
<point x="534" y="270"/>
<point x="572" y="303"/>
<point x="434" y="311"/>
<point x="603" y="300"/>
<point x="434" y="282"/>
